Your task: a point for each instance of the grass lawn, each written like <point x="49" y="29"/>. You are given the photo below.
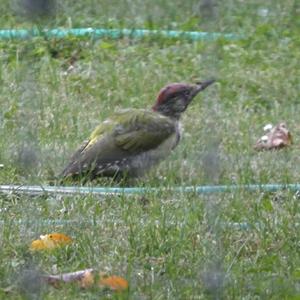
<point x="167" y="245"/>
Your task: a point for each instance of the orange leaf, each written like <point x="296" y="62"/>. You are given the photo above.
<point x="115" y="283"/>
<point x="278" y="137"/>
<point x="50" y="241"/>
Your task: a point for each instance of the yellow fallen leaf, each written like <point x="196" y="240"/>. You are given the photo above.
<point x="50" y="241"/>
<point x="37" y="245"/>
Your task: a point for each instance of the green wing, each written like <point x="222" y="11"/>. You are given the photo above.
<point x="142" y="130"/>
<point x="126" y="134"/>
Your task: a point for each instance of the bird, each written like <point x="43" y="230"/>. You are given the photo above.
<point x="131" y="141"/>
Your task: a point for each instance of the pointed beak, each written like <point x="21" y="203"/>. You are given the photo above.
<point x="202" y="85"/>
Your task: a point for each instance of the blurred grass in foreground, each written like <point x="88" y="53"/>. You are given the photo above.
<point x="54" y="92"/>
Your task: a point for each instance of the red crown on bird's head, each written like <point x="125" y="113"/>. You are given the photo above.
<point x="169" y="91"/>
<point x="174" y="98"/>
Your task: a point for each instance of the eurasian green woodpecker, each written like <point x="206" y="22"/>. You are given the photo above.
<point x="131" y="141"/>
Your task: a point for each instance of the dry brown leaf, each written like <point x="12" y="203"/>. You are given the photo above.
<point x="80" y="276"/>
<point x="278" y="137"/>
<point x="86" y="279"/>
<point x="50" y="241"/>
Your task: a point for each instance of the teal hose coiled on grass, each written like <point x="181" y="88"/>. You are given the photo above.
<point x="115" y="191"/>
<point x="76" y="222"/>
<point x="113" y="33"/>
<point x="208" y="189"/>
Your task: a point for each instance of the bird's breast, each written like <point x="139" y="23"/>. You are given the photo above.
<point x="144" y="161"/>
